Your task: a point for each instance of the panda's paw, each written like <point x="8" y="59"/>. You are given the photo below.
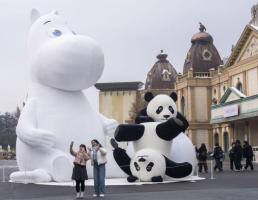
<point x="131" y="179"/>
<point x="113" y="143"/>
<point x="157" y="179"/>
<point x="178" y="122"/>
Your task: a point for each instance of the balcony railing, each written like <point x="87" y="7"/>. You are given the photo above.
<point x="202" y="74"/>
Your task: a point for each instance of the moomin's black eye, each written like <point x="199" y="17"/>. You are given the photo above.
<point x="159" y="110"/>
<point x="171" y="109"/>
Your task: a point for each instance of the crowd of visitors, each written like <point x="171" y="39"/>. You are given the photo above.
<point x="236" y="154"/>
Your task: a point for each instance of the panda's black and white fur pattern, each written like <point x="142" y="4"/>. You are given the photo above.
<point x="154" y="131"/>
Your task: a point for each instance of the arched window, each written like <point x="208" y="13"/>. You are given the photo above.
<point x="216" y="138"/>
<point x="165" y="75"/>
<point x="226" y="142"/>
<point x="182" y="105"/>
<point x="239" y="86"/>
<point x="214" y="101"/>
<point x="214" y="92"/>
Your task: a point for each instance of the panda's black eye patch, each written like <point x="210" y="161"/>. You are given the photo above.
<point x="171" y="109"/>
<point x="149" y="166"/>
<point x="137" y="167"/>
<point x="159" y="110"/>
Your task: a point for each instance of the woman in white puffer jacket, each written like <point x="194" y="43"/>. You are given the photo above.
<point x="98" y="160"/>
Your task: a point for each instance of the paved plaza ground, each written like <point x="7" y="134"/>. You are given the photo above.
<point x="227" y="185"/>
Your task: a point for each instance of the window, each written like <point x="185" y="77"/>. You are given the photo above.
<point x="165" y="75"/>
<point x="206" y="55"/>
<point x="239" y="86"/>
<point x="216" y="138"/>
<point x="183" y="105"/>
<point x="226" y="142"/>
<point x="214" y="101"/>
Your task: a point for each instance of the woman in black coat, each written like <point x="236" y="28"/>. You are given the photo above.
<point x="218" y="156"/>
<point x="231" y="155"/>
<point x="248" y="155"/>
<point x="238" y="152"/>
<point x="202" y="157"/>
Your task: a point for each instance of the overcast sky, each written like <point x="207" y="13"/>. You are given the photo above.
<point x="131" y="33"/>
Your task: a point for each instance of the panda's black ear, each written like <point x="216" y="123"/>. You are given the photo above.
<point x="173" y="95"/>
<point x="148" y="96"/>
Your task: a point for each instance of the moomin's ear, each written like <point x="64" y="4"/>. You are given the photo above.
<point x="55" y="12"/>
<point x="34" y="15"/>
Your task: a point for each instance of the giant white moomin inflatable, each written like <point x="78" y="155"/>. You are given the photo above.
<point x="57" y="111"/>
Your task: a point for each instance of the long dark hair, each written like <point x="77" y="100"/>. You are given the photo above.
<point x="83" y="146"/>
<point x="203" y="147"/>
<point x="95" y="140"/>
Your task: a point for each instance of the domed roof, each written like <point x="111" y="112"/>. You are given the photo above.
<point x="162" y="75"/>
<point x="202" y="37"/>
<point x="202" y="55"/>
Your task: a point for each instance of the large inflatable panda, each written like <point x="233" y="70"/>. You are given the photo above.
<point x="152" y="140"/>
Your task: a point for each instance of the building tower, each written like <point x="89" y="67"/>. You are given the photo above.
<point x="162" y="75"/>
<point x="194" y="86"/>
<point x="202" y="55"/>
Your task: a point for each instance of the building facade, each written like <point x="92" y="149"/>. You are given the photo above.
<point x="220" y="100"/>
<point x="116" y="100"/>
<point x="234" y="114"/>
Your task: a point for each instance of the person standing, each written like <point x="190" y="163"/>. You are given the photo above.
<point x="231" y="155"/>
<point x="218" y="156"/>
<point x="248" y="155"/>
<point x="98" y="160"/>
<point x="79" y="170"/>
<point x="203" y="158"/>
<point x="238" y="151"/>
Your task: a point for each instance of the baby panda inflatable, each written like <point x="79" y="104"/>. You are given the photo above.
<point x="152" y="140"/>
<point x="148" y="165"/>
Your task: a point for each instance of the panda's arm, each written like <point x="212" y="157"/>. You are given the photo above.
<point x="129" y="132"/>
<point x="183" y="119"/>
<point x="143" y="117"/>
<point x="170" y="129"/>
<point x="177" y="170"/>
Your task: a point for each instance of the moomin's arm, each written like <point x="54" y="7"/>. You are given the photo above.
<point x="27" y="130"/>
<point x="109" y="125"/>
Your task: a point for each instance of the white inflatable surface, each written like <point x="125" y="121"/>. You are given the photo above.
<point x="182" y="150"/>
<point x="57" y="111"/>
<point x="123" y="181"/>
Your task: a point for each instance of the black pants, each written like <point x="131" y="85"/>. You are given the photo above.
<point x="218" y="165"/>
<point x="204" y="164"/>
<point x="231" y="163"/>
<point x="80" y="186"/>
<point x="238" y="164"/>
<point x="249" y="163"/>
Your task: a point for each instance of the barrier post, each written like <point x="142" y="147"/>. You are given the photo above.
<point x="212" y="176"/>
<point x="3" y="173"/>
<point x="197" y="170"/>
